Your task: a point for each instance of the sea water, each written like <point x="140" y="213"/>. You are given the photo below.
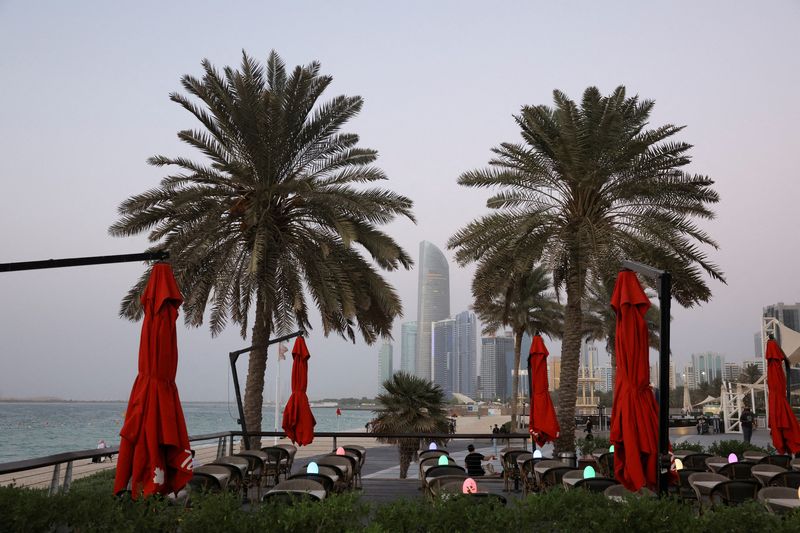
<point x="37" y="429"/>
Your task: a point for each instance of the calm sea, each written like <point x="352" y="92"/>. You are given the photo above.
<point x="29" y="430"/>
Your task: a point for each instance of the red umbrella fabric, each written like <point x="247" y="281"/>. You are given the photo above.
<point x="782" y="422"/>
<point x="154" y="453"/>
<point x="543" y="424"/>
<point x="634" y="416"/>
<point x="298" y="420"/>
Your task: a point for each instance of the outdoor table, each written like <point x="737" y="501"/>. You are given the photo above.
<point x="764" y="473"/>
<point x="319" y="494"/>
<point x="680" y="454"/>
<point x="715" y="466"/>
<point x="786" y="503"/>
<point x="753" y="456"/>
<point x="219" y="472"/>
<point x="541" y="469"/>
<point x="795" y="464"/>
<point x="570" y="478"/>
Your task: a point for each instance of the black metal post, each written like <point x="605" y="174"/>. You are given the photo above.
<point x="84" y="261"/>
<point x="665" y="302"/>
<point x="233" y="356"/>
<point x="788" y="381"/>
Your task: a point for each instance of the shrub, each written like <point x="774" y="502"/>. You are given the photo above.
<point x="587" y="446"/>
<point x="725" y="447"/>
<point x="690" y="446"/>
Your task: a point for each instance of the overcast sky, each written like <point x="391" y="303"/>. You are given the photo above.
<point x="84" y="101"/>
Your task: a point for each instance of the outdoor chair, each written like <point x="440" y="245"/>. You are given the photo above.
<point x="595" y="484"/>
<point x="776" y="493"/>
<point x="334" y="473"/>
<point x="789" y="479"/>
<point x="715" y="459"/>
<point x="605" y="465"/>
<point x="360" y="451"/>
<point x="448" y="484"/>
<point x="324" y="480"/>
<point x="427" y="454"/>
<point x="528" y="476"/>
<point x="794" y="464"/>
<point x="511" y="467"/>
<point x="356" y="460"/>
<point x="256" y="468"/>
<point x="541" y="467"/>
<point x="279" y="460"/>
<point x="292" y="450"/>
<point x="237" y="475"/>
<point x="696" y="461"/>
<point x="444" y="470"/>
<point x="344" y="464"/>
<point x="220" y="472"/>
<point x="618" y="492"/>
<point x="597" y="452"/>
<point x="685" y="490"/>
<point x="291" y="490"/>
<point x="734" y="492"/>
<point x="431" y="462"/>
<point x="553" y="477"/>
<point x="701" y="492"/>
<point x="201" y="482"/>
<point x="740" y="470"/>
<point x="784" y="461"/>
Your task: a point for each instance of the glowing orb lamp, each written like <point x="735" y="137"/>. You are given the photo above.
<point x="732" y="458"/>
<point x="678" y="464"/>
<point x="443" y="460"/>
<point x="537" y="454"/>
<point x="339" y="451"/>
<point x="469" y="486"/>
<point x="432" y="446"/>
<point x="611" y="449"/>
<point x="588" y="472"/>
<point x="312" y="468"/>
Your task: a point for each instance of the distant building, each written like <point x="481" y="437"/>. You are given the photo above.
<point x="787" y="314"/>
<point x="707" y="367"/>
<point x="384" y="364"/>
<point x="606" y="383"/>
<point x="757" y="362"/>
<point x="554" y="373"/>
<point x="433" y="302"/>
<point x="408" y="347"/>
<point x="689" y="377"/>
<point x="494" y="353"/>
<point x="523" y="362"/>
<point x="731" y="372"/>
<point x="759" y="347"/>
<point x="465" y="364"/>
<point x="443" y="353"/>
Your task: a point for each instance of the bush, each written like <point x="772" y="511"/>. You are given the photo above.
<point x="690" y="446"/>
<point x="587" y="446"/>
<point x="725" y="447"/>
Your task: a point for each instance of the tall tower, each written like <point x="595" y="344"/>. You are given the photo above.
<point x="465" y="365"/>
<point x="384" y="364"/>
<point x="408" y="347"/>
<point x="433" y="302"/>
<point x="444" y="348"/>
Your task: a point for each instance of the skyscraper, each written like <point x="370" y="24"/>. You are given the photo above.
<point x="433" y="302"/>
<point x="465" y="365"/>
<point x="494" y="352"/>
<point x="384" y="363"/>
<point x="408" y="347"/>
<point x="787" y="314"/>
<point x="444" y="347"/>
<point x="707" y="367"/>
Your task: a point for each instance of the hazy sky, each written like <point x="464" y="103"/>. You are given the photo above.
<point x="84" y="101"/>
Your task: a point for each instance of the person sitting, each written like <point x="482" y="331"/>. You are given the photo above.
<point x="101" y="446"/>
<point x="473" y="462"/>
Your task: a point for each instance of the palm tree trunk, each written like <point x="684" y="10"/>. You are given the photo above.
<point x="570" y="357"/>
<point x="407" y="450"/>
<point x="257" y="366"/>
<point x="515" y="378"/>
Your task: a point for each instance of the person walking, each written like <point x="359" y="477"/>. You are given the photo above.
<point x="748" y="422"/>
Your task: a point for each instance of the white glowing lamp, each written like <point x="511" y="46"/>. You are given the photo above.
<point x="339" y="451"/>
<point x="732" y="458"/>
<point x="432" y="446"/>
<point x="469" y="486"/>
<point x="588" y="472"/>
<point x="537" y="454"/>
<point x="678" y="464"/>
<point x="312" y="468"/>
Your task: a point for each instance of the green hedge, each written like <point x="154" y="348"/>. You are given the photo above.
<point x="89" y="507"/>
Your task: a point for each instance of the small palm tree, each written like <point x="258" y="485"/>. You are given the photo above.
<point x="520" y="299"/>
<point x="276" y="215"/>
<point x="591" y="185"/>
<point x="750" y="374"/>
<point x="409" y="405"/>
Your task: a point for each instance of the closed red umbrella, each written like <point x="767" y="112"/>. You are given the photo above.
<point x="543" y="424"/>
<point x="154" y="453"/>
<point x="782" y="422"/>
<point x="298" y="420"/>
<point x="634" y="416"/>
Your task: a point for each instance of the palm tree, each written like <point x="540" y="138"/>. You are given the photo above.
<point x="410" y="404"/>
<point x="589" y="186"/>
<point x="273" y="215"/>
<point x="519" y="299"/>
<point x="750" y="374"/>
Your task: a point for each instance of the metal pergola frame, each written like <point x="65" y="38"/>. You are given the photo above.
<point x="233" y="357"/>
<point x="664" y="286"/>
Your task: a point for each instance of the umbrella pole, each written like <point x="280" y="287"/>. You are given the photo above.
<point x="665" y="297"/>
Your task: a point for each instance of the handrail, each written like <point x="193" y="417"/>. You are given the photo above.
<point x="51" y="460"/>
